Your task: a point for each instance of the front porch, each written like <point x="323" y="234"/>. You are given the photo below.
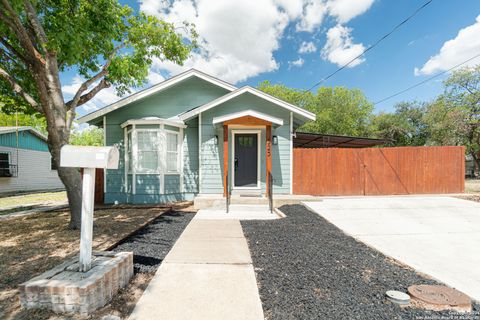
<point x="247" y="142"/>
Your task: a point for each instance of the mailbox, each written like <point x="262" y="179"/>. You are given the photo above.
<point x="89" y="157"/>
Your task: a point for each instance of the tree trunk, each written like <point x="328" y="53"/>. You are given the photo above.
<point x="72" y="181"/>
<point x="476" y="161"/>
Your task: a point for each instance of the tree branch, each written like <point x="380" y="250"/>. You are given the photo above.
<point x="36" y="25"/>
<point x="19" y="90"/>
<point x="84" y="99"/>
<point x="13" y="51"/>
<point x="72" y="104"/>
<point x="15" y="25"/>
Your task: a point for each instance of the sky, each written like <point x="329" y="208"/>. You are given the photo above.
<point x="299" y="42"/>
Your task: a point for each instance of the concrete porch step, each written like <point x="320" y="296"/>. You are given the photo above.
<point x="249" y="208"/>
<point x="217" y="201"/>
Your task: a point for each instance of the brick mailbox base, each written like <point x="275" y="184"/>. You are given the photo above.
<point x="64" y="289"/>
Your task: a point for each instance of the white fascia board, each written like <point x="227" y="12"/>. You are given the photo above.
<point x="245" y="113"/>
<point x="297" y="110"/>
<point x="156" y="88"/>
<point x="173" y="123"/>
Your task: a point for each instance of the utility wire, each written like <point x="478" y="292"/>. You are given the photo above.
<point x="372" y="46"/>
<point x="426" y="80"/>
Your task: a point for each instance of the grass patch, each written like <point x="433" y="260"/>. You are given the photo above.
<point x="32" y="199"/>
<point x="472" y="186"/>
<point x="34" y="244"/>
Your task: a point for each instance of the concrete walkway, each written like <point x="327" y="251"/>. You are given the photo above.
<point x="208" y="275"/>
<point x="438" y="236"/>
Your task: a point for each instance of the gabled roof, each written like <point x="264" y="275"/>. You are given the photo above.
<point x="154" y="89"/>
<point x="246" y="113"/>
<point x="5" y="130"/>
<point x="247" y="89"/>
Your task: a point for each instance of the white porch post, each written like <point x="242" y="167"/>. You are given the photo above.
<point x="88" y="194"/>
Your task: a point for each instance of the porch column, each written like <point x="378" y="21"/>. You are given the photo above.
<point x="225" y="160"/>
<point x="268" y="149"/>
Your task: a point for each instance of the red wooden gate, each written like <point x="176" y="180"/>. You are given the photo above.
<point x="379" y="171"/>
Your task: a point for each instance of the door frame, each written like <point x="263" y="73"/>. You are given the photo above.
<point x="258" y="132"/>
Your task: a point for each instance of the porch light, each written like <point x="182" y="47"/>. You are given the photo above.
<point x="215" y="140"/>
<point x="275" y="140"/>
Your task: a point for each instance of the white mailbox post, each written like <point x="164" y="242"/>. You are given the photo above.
<point x="88" y="158"/>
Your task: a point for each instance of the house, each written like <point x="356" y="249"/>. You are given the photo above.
<point x="25" y="162"/>
<point x="195" y="134"/>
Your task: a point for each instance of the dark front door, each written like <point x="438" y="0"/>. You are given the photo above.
<point x="246" y="160"/>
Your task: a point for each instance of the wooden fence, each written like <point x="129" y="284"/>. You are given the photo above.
<point x="379" y="171"/>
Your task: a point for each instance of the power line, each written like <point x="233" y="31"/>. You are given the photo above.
<point x="373" y="45"/>
<point x="426" y="80"/>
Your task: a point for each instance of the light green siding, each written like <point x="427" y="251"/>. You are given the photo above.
<point x="212" y="155"/>
<point x="190" y="156"/>
<point x="26" y="140"/>
<point x="180" y="98"/>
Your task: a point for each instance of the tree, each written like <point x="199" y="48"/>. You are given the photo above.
<point x="105" y="42"/>
<point x="405" y="127"/>
<point x="454" y="117"/>
<point x="91" y="136"/>
<point x="339" y="110"/>
<point x="31" y="120"/>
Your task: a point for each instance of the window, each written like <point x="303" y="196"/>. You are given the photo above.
<point x="172" y="152"/>
<point x="147" y="151"/>
<point x="129" y="152"/>
<point x="5" y="164"/>
<point x="153" y="151"/>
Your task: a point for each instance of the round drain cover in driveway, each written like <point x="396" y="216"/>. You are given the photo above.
<point x="440" y="297"/>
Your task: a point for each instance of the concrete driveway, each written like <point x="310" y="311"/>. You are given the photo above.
<point x="438" y="236"/>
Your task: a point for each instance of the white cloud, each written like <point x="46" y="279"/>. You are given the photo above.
<point x="238" y="38"/>
<point x="340" y="48"/>
<point x="237" y="42"/>
<point x="345" y="10"/>
<point x="293" y="8"/>
<point x="307" y="47"/>
<point x="313" y="13"/>
<point x="463" y="47"/>
<point x="154" y="78"/>
<point x="296" y="63"/>
<point x="102" y="98"/>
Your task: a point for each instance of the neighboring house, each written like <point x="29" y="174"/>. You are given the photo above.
<point x="25" y="162"/>
<point x="195" y="134"/>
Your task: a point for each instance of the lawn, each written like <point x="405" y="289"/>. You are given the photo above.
<point x="33" y="199"/>
<point x="31" y="245"/>
<point x="472" y="186"/>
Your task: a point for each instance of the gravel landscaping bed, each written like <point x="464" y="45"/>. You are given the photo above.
<point x="309" y="269"/>
<point x="151" y="244"/>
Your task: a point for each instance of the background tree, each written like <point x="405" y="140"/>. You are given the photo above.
<point x="405" y="127"/>
<point x="339" y="110"/>
<point x="105" y="42"/>
<point x="35" y="121"/>
<point x="92" y="136"/>
<point x="454" y="117"/>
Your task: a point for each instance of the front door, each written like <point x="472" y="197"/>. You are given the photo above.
<point x="246" y="160"/>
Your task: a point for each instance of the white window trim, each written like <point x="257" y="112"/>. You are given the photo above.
<point x="259" y="158"/>
<point x="162" y="155"/>
<point x="159" y="151"/>
<point x="179" y="144"/>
